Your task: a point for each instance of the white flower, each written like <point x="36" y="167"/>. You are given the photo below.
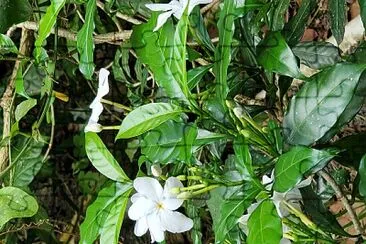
<point x="96" y="105"/>
<point x="175" y="7"/>
<point x="153" y="208"/>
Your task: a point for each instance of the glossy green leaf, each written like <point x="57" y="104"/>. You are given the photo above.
<point x="277" y="14"/>
<point x="104" y="216"/>
<point x="15" y="203"/>
<point x="351" y="148"/>
<point x="46" y="24"/>
<point x="102" y="159"/>
<point x="199" y="31"/>
<point x="147" y="117"/>
<point x="244" y="164"/>
<point x="206" y="137"/>
<point x="195" y="75"/>
<point x="7" y="45"/>
<point x="23" y="108"/>
<point x="276" y="56"/>
<point x="28" y="159"/>
<point x="157" y="50"/>
<point x="363" y="11"/>
<point x="13" y="12"/>
<point x="85" y="44"/>
<point x="294" y="29"/>
<point x="223" y="50"/>
<point x="337" y="10"/>
<point x="264" y="225"/>
<point x="362" y="173"/>
<point x="320" y="103"/>
<point x="291" y="166"/>
<point x="169" y="142"/>
<point x="19" y="84"/>
<point x="317" y="55"/>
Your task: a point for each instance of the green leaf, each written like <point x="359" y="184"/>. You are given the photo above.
<point x="23" y="108"/>
<point x="320" y="215"/>
<point x="13" y="12"/>
<point x="85" y="44"/>
<point x="7" y="45"/>
<point x="46" y="24"/>
<point x="147" y="117"/>
<point x="294" y="29"/>
<point x="277" y="14"/>
<point x="291" y="166"/>
<point x="351" y="149"/>
<point x="195" y="75"/>
<point x="102" y="159"/>
<point x="19" y="84"/>
<point x="244" y="162"/>
<point x="362" y="173"/>
<point x="317" y="55"/>
<point x="15" y="203"/>
<point x="199" y="31"/>
<point x="320" y="103"/>
<point x="337" y="10"/>
<point x="223" y="50"/>
<point x="104" y="216"/>
<point x="157" y="50"/>
<point x="276" y="56"/>
<point x="363" y="11"/>
<point x="169" y="142"/>
<point x="193" y="212"/>
<point x="264" y="224"/>
<point x="28" y="160"/>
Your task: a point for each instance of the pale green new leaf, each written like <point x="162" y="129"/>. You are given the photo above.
<point x="105" y="215"/>
<point x="15" y="203"/>
<point x="23" y="108"/>
<point x="147" y="117"/>
<point x="291" y="166"/>
<point x="264" y="225"/>
<point x="85" y="44"/>
<point x="102" y="159"/>
<point x="46" y="24"/>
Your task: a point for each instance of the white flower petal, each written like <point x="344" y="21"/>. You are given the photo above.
<point x="304" y="183"/>
<point x="97" y="109"/>
<point x="194" y="3"/>
<point x="159" y="6"/>
<point x="93" y="127"/>
<point x="155" y="228"/>
<point x="141" y="226"/>
<point x="162" y="18"/>
<point x="140" y="208"/>
<point x="170" y="200"/>
<point x="277" y="199"/>
<point x="103" y="87"/>
<point x="136" y="196"/>
<point x="175" y="222"/>
<point x="149" y="187"/>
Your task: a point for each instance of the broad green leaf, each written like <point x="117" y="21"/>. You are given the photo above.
<point x="244" y="159"/>
<point x="13" y="12"/>
<point x="294" y="29"/>
<point x="277" y="14"/>
<point x="320" y="215"/>
<point x="337" y="10"/>
<point x="351" y="148"/>
<point x="85" y="44"/>
<point x="276" y="56"/>
<point x="363" y="11"/>
<point x="320" y="103"/>
<point x="28" y="159"/>
<point x="46" y="24"/>
<point x="7" y="45"/>
<point x="317" y="55"/>
<point x="147" y="117"/>
<point x="223" y="50"/>
<point x="23" y="108"/>
<point x="195" y="75"/>
<point x="157" y="50"/>
<point x="169" y="142"/>
<point x="104" y="216"/>
<point x="264" y="225"/>
<point x="362" y="173"/>
<point x="291" y="166"/>
<point x="102" y="159"/>
<point x="15" y="203"/>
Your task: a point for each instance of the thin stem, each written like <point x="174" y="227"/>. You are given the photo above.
<point x="112" y="127"/>
<point x="117" y="105"/>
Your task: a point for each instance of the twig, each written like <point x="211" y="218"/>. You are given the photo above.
<point x="209" y="6"/>
<point x="120" y="15"/>
<point x="101" y="38"/>
<point x="6" y="101"/>
<point x="343" y="199"/>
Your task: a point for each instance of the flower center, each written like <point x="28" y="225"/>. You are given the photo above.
<point x="160" y="206"/>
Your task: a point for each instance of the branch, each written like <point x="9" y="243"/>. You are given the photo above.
<point x="343" y="199"/>
<point x="110" y="37"/>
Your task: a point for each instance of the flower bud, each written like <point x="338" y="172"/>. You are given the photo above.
<point x="93" y="127"/>
<point x="175" y="190"/>
<point x="156" y="170"/>
<point x="184" y="195"/>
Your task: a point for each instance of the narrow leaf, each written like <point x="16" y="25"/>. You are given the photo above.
<point x="277" y="14"/>
<point x="362" y="173"/>
<point x="23" y="108"/>
<point x="363" y="11"/>
<point x="337" y="10"/>
<point x="195" y="75"/>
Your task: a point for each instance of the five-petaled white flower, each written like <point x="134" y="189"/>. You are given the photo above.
<point x="153" y="208"/>
<point x="96" y="105"/>
<point x="175" y="7"/>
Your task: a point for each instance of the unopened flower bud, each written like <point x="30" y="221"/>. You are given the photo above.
<point x="184" y="195"/>
<point x="156" y="170"/>
<point x="93" y="127"/>
<point x="175" y="190"/>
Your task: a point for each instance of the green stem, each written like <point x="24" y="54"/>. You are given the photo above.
<point x="117" y="105"/>
<point x="112" y="127"/>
